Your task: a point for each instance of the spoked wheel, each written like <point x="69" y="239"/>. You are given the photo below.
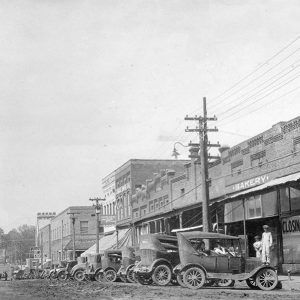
<point x="99" y="276"/>
<point x="162" y="275"/>
<point x="252" y="283"/>
<point x="225" y="282"/>
<point x="143" y="279"/>
<point x="110" y="275"/>
<point x="130" y="276"/>
<point x="62" y="276"/>
<point x="194" y="278"/>
<point x="79" y="275"/>
<point x="179" y="278"/>
<point x="266" y="279"/>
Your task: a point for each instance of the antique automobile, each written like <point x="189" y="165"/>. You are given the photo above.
<point x="64" y="273"/>
<point x="86" y="267"/>
<point x="110" y="265"/>
<point x="129" y="257"/>
<point x="198" y="267"/>
<point x="159" y="255"/>
<point x="56" y="268"/>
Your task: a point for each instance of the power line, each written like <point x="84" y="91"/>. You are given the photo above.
<point x="269" y="102"/>
<point x="230" y="108"/>
<point x="258" y="68"/>
<point x="261" y="98"/>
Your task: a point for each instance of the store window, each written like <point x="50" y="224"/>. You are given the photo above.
<point x="253" y="205"/>
<point x="284" y="200"/>
<point x="84" y="227"/>
<point x="295" y="198"/>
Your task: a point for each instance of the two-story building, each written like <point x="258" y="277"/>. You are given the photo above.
<point x="56" y="238"/>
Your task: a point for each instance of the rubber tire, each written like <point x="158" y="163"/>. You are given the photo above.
<point x="156" y="273"/>
<point x="99" y="277"/>
<point x="196" y="270"/>
<point x="130" y="275"/>
<point x="80" y="278"/>
<point x="143" y="280"/>
<point x="113" y="274"/>
<point x="258" y="281"/>
<point x="62" y="276"/>
<point x="179" y="278"/>
<point x="229" y="283"/>
<point x="252" y="283"/>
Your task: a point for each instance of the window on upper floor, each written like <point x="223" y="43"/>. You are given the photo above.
<point x="84" y="227"/>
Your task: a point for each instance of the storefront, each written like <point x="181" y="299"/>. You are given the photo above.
<point x="276" y="204"/>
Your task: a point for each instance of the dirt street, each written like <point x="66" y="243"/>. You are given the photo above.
<point x="44" y="289"/>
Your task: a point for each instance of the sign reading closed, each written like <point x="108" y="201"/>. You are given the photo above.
<point x="291" y="239"/>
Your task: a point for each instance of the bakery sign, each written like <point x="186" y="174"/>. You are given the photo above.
<point x="250" y="183"/>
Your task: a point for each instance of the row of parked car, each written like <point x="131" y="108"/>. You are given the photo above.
<point x="163" y="259"/>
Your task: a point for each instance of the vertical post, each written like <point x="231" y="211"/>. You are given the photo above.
<point x="97" y="232"/>
<point x="42" y="252"/>
<point x="62" y="242"/>
<point x="244" y="226"/>
<point x="180" y="220"/>
<point x="98" y="211"/>
<point x="73" y="229"/>
<point x="217" y="219"/>
<point x="117" y="233"/>
<point x="204" y="170"/>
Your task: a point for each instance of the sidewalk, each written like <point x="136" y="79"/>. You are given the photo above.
<point x="293" y="284"/>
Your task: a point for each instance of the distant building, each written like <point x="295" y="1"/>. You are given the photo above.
<point x="108" y="217"/>
<point x="42" y="219"/>
<point x="56" y="238"/>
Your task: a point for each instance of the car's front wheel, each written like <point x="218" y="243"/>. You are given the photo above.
<point x="252" y="283"/>
<point x="62" y="275"/>
<point x="79" y="275"/>
<point x="225" y="282"/>
<point x="179" y="278"/>
<point x="162" y="275"/>
<point x="110" y="275"/>
<point x="194" y="278"/>
<point x="266" y="279"/>
<point x="144" y="279"/>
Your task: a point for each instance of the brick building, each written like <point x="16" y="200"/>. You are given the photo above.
<point x="56" y="237"/>
<point x="253" y="183"/>
<point x="132" y="175"/>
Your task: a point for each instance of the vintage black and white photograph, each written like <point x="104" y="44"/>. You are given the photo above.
<point x="150" y="149"/>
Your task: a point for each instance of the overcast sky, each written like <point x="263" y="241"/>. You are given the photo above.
<point x="87" y="85"/>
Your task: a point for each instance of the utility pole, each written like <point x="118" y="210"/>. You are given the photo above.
<point x="98" y="207"/>
<point x="73" y="218"/>
<point x="203" y="144"/>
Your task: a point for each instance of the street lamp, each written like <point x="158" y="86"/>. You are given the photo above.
<point x="175" y="152"/>
<point x="98" y="207"/>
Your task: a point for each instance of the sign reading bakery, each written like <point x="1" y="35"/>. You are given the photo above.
<point x="250" y="183"/>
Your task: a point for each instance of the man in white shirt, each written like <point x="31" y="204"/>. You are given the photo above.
<point x="266" y="244"/>
<point x="257" y="246"/>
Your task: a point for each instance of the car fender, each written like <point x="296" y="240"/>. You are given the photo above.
<point x="177" y="269"/>
<point x="130" y="266"/>
<point x="184" y="268"/>
<point x="160" y="261"/>
<point x="73" y="272"/>
<point x="99" y="270"/>
<point x="110" y="268"/>
<point x="257" y="269"/>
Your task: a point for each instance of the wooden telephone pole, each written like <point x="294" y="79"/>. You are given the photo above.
<point x="203" y="144"/>
<point x="73" y="232"/>
<point x="98" y="207"/>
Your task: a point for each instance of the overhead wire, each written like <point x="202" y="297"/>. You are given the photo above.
<point x="257" y="69"/>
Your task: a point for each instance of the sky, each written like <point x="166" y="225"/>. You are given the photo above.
<point x="87" y="85"/>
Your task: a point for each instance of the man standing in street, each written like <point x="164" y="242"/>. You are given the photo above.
<point x="266" y="244"/>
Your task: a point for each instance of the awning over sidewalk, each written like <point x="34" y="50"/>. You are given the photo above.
<point x="110" y="241"/>
<point x="80" y="245"/>
<point x="275" y="182"/>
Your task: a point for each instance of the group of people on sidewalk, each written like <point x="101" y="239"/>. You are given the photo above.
<point x="263" y="245"/>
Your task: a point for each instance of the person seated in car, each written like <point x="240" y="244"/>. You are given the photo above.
<point x="201" y="249"/>
<point x="219" y="249"/>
